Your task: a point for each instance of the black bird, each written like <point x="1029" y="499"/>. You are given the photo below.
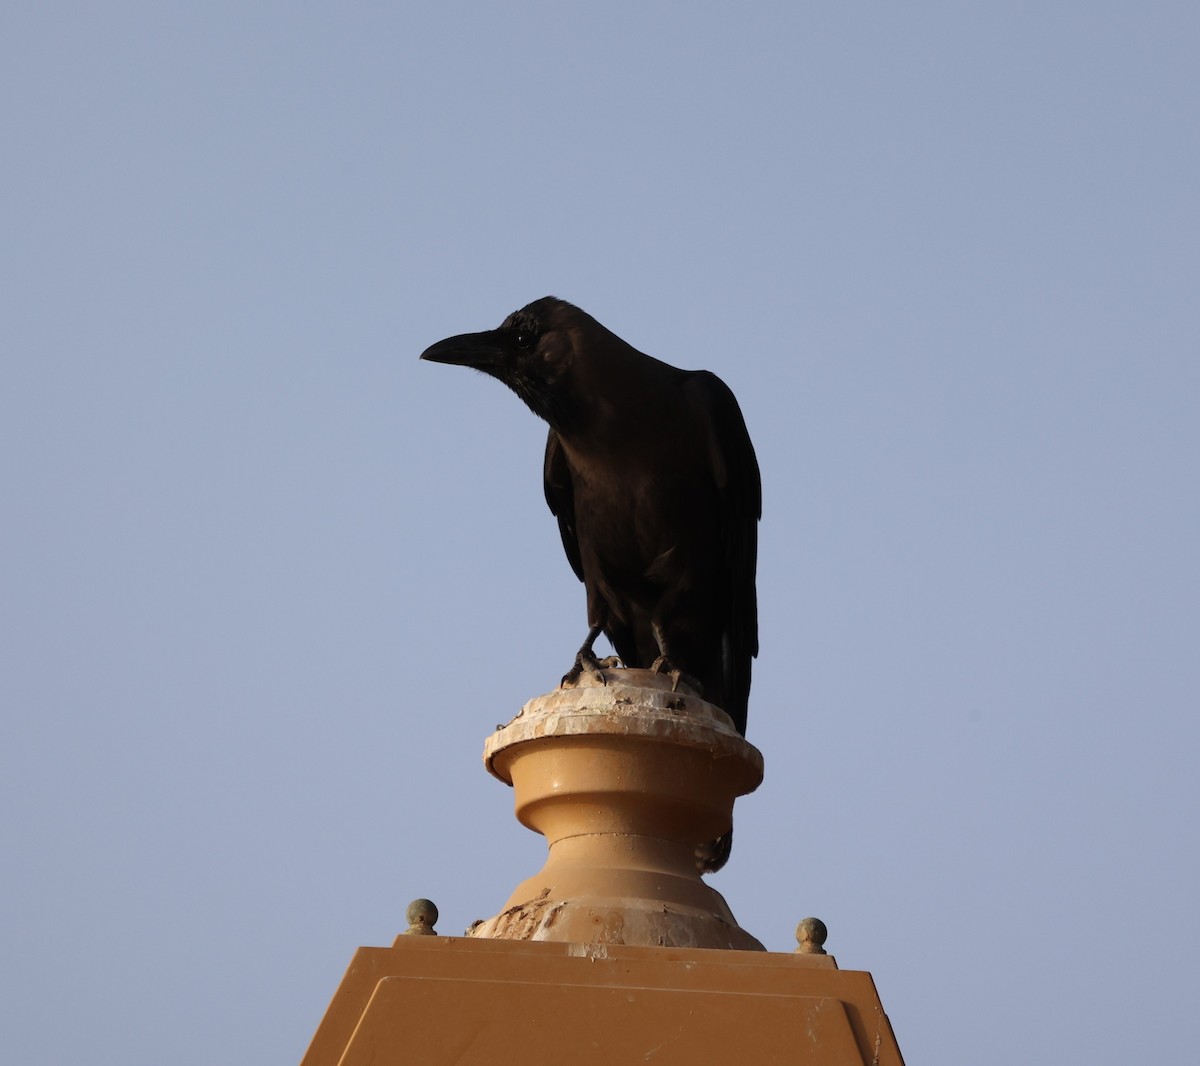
<point x="651" y="474"/>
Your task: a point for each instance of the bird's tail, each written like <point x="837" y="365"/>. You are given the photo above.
<point x="712" y="856"/>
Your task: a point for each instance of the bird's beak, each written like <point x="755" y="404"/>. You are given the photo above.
<point x="480" y="350"/>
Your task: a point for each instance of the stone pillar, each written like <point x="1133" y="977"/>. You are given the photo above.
<point x="625" y="779"/>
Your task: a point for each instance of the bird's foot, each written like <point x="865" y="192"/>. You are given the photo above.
<point x="587" y="663"/>
<point x="664" y="665"/>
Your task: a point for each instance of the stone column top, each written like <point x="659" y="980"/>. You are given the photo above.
<point x="629" y="703"/>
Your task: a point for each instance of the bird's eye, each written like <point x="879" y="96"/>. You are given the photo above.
<point x="524" y="339"/>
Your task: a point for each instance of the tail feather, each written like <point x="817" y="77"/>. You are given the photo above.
<point x="712" y="856"/>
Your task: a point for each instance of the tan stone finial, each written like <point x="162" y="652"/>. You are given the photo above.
<point x="422" y="915"/>
<point x="625" y="778"/>
<point x="811" y="935"/>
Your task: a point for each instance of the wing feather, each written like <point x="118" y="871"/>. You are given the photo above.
<point x="739" y="489"/>
<point x="560" y="497"/>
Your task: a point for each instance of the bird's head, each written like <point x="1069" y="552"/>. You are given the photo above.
<point x="532" y="351"/>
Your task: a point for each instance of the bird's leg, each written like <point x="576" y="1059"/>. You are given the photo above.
<point x="587" y="663"/>
<point x="663" y="662"/>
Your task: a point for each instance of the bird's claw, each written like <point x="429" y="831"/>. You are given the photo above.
<point x="587" y="663"/>
<point x="664" y="665"/>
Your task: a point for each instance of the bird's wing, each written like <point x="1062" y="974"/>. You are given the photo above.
<point x="739" y="492"/>
<point x="560" y="496"/>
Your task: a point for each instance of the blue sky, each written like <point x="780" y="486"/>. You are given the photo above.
<point x="267" y="581"/>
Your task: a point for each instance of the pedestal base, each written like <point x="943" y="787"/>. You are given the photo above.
<point x="434" y="1000"/>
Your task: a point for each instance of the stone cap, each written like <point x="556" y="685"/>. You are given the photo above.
<point x="629" y="703"/>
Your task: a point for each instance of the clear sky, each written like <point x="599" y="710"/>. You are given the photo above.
<point x="267" y="581"/>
